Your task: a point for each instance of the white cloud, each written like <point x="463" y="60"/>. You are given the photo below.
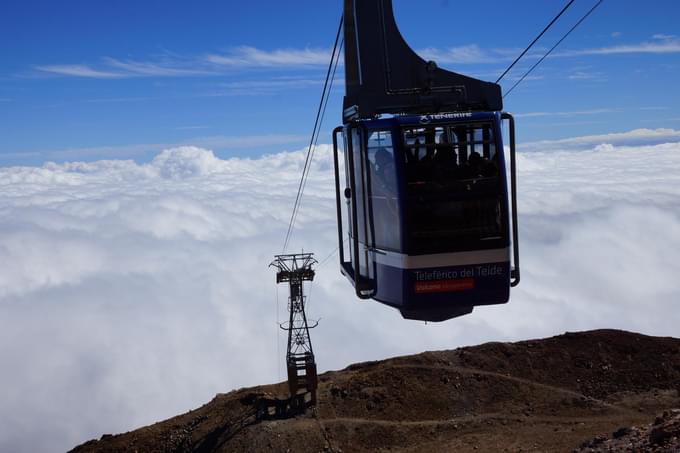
<point x="655" y="107"/>
<point x="79" y="71"/>
<point x="668" y="46"/>
<point x="636" y="137"/>
<point x="214" y="64"/>
<point x="189" y="128"/>
<point x="585" y="75"/>
<point x="525" y="79"/>
<point x="474" y="54"/>
<point x="468" y="54"/>
<point x="119" y="99"/>
<point x="132" y="292"/>
<point x="664" y="37"/>
<point x="266" y="87"/>
<point x="142" y="69"/>
<point x="247" y="56"/>
<point x="117" y="69"/>
<point x="569" y="113"/>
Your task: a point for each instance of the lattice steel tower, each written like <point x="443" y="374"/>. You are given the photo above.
<point x="302" y="380"/>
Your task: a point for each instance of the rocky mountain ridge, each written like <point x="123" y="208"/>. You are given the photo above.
<point x="572" y="391"/>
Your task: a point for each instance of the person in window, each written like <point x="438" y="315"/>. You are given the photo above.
<point x="446" y="167"/>
<point x="426" y="164"/>
<point x="384" y="163"/>
<point x="444" y="161"/>
<point x="474" y="165"/>
<point x="489" y="169"/>
<point x="386" y="215"/>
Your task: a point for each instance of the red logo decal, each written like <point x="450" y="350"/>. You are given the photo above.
<point x="445" y="286"/>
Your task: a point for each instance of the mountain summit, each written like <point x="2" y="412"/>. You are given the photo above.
<point x="576" y="390"/>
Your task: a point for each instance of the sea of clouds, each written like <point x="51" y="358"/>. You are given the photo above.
<point x="132" y="292"/>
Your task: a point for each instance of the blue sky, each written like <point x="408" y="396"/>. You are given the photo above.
<point x="88" y="80"/>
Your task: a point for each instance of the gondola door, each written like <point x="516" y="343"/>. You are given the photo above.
<point x="360" y="269"/>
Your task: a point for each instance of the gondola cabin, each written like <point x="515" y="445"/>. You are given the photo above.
<point x="426" y="218"/>
<point x="426" y="204"/>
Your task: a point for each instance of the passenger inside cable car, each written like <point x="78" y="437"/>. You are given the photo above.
<point x="453" y="196"/>
<point x="384" y="191"/>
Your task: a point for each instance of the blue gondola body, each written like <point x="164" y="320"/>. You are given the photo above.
<point x="415" y="248"/>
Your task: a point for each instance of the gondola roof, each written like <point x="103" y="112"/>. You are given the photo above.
<point x="399" y="80"/>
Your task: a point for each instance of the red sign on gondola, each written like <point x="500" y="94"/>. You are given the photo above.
<point x="444" y="286"/>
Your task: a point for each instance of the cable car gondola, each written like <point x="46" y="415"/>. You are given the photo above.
<point x="429" y="218"/>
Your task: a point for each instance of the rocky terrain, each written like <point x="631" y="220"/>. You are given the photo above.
<point x="661" y="436"/>
<point x="598" y="391"/>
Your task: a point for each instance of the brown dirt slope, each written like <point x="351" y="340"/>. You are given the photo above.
<point x="544" y="395"/>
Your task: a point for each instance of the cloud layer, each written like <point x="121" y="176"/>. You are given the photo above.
<point x="130" y="293"/>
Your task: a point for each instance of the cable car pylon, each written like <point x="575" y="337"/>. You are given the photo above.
<point x="295" y="269"/>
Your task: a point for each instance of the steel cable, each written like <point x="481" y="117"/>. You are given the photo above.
<point x="535" y="40"/>
<point x="322" y="102"/>
<point x="554" y="47"/>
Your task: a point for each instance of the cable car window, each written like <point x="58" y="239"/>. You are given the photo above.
<point x="454" y="192"/>
<point x="384" y="190"/>
<point x="359" y="187"/>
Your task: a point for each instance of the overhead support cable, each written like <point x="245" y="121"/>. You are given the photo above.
<point x="566" y="7"/>
<point x="318" y="131"/>
<point x="584" y="17"/>
<point x="317" y="122"/>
